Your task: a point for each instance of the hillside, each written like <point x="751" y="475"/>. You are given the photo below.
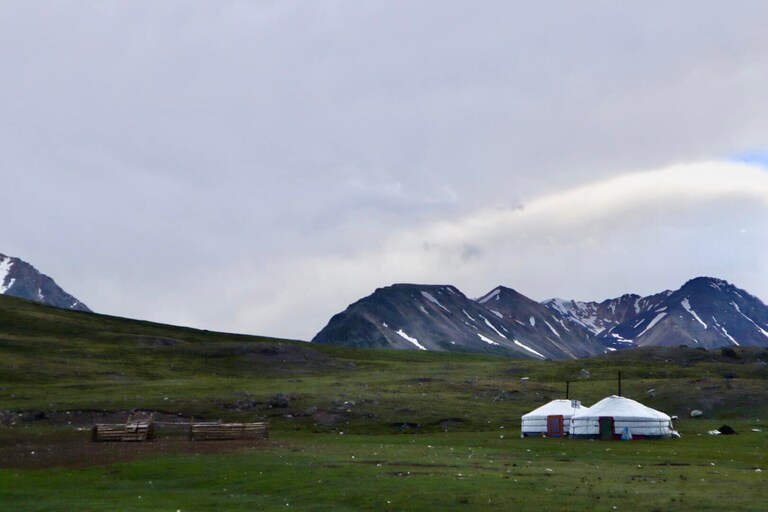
<point x="61" y="366"/>
<point x="405" y="424"/>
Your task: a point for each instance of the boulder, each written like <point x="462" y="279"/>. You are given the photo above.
<point x="726" y="430"/>
<point x="280" y="400"/>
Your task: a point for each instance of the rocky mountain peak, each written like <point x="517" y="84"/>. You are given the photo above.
<point x="20" y="279"/>
<point x="441" y="318"/>
<point x="705" y="284"/>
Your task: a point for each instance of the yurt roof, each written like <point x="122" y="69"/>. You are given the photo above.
<point x="621" y="407"/>
<point x="555" y="407"/>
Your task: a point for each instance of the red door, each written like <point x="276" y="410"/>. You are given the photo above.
<point x="555" y="425"/>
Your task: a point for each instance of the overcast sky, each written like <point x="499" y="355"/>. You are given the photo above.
<point x="256" y="166"/>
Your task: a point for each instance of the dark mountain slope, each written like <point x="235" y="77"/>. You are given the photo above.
<point x="601" y="316"/>
<point x="20" y="279"/>
<point x="704" y="312"/>
<point x="428" y="317"/>
<point x="533" y="323"/>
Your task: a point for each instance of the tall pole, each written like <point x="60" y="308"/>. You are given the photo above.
<point x="619" y="383"/>
<point x="567" y="389"/>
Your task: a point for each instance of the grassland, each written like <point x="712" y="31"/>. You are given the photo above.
<point x="357" y="429"/>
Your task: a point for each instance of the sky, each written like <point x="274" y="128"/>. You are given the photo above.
<point x="257" y="166"/>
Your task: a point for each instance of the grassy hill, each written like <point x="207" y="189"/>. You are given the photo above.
<point x="356" y="429"/>
<point x="54" y="360"/>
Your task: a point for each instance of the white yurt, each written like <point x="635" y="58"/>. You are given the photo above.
<point x="551" y="419"/>
<point x="616" y="416"/>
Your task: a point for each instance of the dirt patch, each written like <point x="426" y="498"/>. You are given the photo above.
<point x="423" y="465"/>
<point x="75" y="450"/>
<point x="406" y="426"/>
<point x="286" y="353"/>
<point x="326" y="419"/>
<point x="82" y="418"/>
<point x="157" y="341"/>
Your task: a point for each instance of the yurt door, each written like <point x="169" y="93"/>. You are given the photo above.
<point x="606" y="427"/>
<point x="555" y="425"/>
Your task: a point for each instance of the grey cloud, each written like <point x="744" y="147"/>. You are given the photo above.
<point x="178" y="149"/>
<point x="470" y="252"/>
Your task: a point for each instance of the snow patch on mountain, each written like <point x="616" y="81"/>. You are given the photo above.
<point x="725" y="332"/>
<point x="687" y="306"/>
<point x="580" y="313"/>
<point x="487" y="340"/>
<point x="5" y="268"/>
<point x="729" y="337"/>
<point x="618" y="338"/>
<point x="495" y="293"/>
<point x="411" y="339"/>
<point x="489" y="324"/>
<point x="736" y="306"/>
<point x="552" y="329"/>
<point x="529" y="349"/>
<point x="564" y="307"/>
<point x="653" y="322"/>
<point x="433" y="300"/>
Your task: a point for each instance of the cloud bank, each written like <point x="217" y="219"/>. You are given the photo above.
<point x="640" y="232"/>
<point x="256" y="166"/>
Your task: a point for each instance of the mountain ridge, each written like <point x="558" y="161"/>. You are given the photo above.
<point x="705" y="311"/>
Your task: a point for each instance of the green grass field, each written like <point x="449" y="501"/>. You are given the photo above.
<point x="360" y="429"/>
<point x="448" y="471"/>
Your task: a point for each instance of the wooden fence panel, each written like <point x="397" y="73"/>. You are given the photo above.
<point x="136" y="431"/>
<point x="228" y="431"/>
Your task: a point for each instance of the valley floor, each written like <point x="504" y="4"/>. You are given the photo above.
<point x="59" y="469"/>
<point x="357" y="429"/>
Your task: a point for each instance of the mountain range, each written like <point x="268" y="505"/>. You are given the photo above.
<point x="705" y="312"/>
<point x="20" y="279"/>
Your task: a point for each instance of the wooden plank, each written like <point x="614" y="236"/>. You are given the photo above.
<point x="228" y="431"/>
<point x="134" y="431"/>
